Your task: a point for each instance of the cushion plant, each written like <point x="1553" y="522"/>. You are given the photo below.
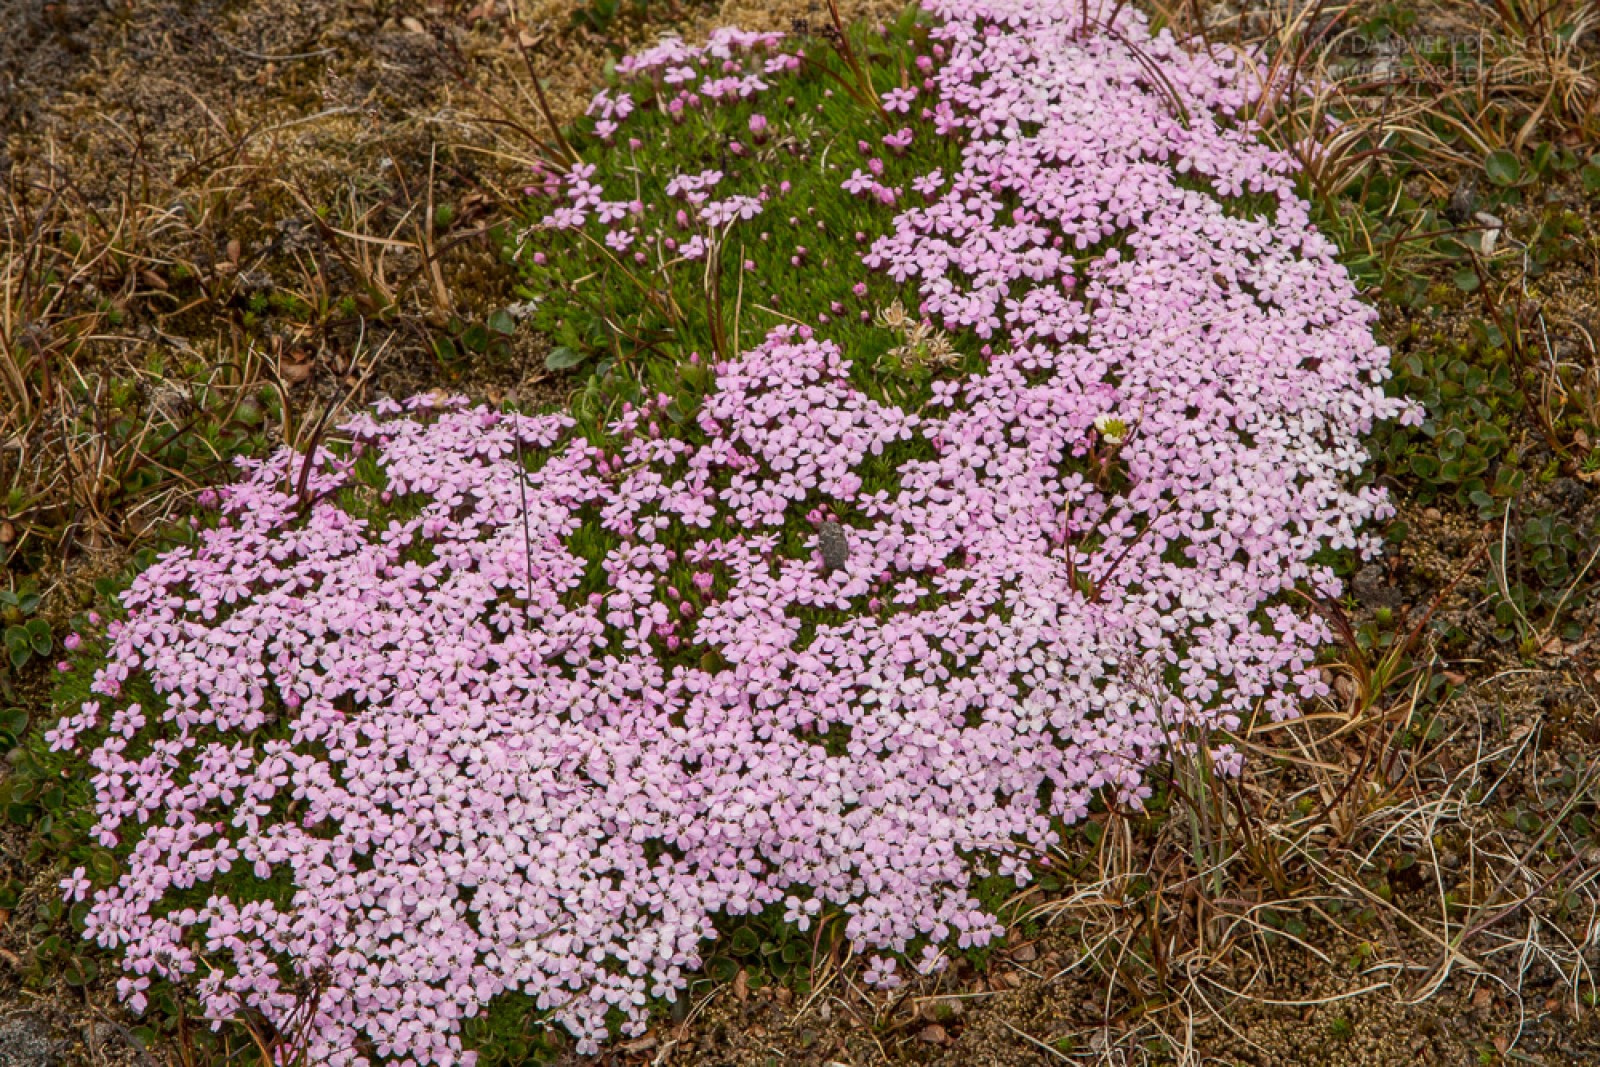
<point x="971" y="408"/>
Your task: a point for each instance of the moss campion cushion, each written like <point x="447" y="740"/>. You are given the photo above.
<point x="520" y="705"/>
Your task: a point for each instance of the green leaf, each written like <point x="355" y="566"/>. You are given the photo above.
<point x="501" y="322"/>
<point x="103" y="868"/>
<point x="39" y="637"/>
<point x="1542" y="157"/>
<point x="744" y="942"/>
<point x="14" y="721"/>
<point x="1466" y="280"/>
<point x="1591" y="177"/>
<point x="561" y="357"/>
<point x="1503" y="167"/>
<point x="81" y="971"/>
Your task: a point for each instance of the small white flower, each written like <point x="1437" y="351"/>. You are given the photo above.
<point x="1112" y="429"/>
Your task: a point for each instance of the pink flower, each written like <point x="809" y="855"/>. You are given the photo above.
<point x="898" y="101"/>
<point x="76" y="886"/>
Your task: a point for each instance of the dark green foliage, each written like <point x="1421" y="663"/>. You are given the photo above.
<point x="25" y="638"/>
<point x="1472" y="403"/>
<point x="1540" y="571"/>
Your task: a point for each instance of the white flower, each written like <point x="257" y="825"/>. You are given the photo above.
<point x="1112" y="429"/>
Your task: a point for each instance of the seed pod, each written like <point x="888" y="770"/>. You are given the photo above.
<point x="834" y="543"/>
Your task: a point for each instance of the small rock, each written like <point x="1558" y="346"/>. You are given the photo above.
<point x="933" y="1035"/>
<point x="1491" y="231"/>
<point x="253" y="283"/>
<point x="1024" y="954"/>
<point x="1372" y="588"/>
<point x="1395" y="768"/>
<point x="1462" y="201"/>
<point x="101" y="1034"/>
<point x="25" y="1041"/>
<point x="1345" y="688"/>
<point x="106" y="1037"/>
<point x="1570" y="493"/>
<point x="834" y="543"/>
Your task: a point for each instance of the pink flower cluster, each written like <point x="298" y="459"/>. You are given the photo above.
<point x="478" y="768"/>
<point x="689" y="76"/>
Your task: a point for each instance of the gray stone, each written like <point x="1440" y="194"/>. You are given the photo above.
<point x="25" y="1041"/>
<point x="834" y="543"/>
<point x="1372" y="588"/>
<point x="1463" y="201"/>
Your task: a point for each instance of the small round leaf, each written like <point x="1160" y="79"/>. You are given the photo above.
<point x="1503" y="167"/>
